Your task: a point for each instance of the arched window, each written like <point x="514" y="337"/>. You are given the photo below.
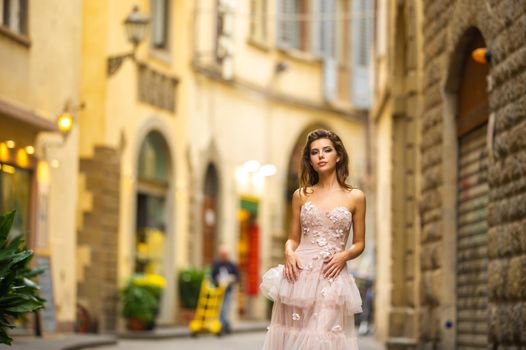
<point x="152" y="188"/>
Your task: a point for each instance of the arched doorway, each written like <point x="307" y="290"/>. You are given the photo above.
<point x="151" y="210"/>
<point x="209" y="218"/>
<point x="472" y="198"/>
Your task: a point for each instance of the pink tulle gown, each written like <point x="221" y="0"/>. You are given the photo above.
<point x="314" y="312"/>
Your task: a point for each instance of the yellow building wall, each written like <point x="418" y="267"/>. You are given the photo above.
<point x="42" y="78"/>
<point x="114" y="117"/>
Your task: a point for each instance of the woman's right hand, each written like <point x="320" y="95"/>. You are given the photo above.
<point x="292" y="268"/>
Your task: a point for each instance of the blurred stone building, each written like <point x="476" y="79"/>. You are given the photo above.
<point x="265" y="74"/>
<point x="450" y="174"/>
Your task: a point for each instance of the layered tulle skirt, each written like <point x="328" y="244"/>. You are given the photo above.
<point x="313" y="312"/>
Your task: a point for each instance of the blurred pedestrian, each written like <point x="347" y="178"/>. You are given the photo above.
<point x="225" y="274"/>
<point x="315" y="296"/>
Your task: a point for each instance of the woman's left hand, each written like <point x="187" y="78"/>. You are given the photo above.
<point x="334" y="264"/>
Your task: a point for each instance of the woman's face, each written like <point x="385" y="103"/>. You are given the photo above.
<point x="323" y="155"/>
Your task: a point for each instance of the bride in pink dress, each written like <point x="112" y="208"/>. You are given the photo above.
<point x="315" y="296"/>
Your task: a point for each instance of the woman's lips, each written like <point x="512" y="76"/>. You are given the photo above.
<point x="322" y="163"/>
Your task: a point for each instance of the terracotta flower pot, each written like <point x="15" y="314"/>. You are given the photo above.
<point x="135" y="324"/>
<point x="185" y="316"/>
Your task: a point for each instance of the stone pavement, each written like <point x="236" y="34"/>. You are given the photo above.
<point x="84" y="341"/>
<point x="61" y="342"/>
<point x="238" y="341"/>
<point x="246" y="336"/>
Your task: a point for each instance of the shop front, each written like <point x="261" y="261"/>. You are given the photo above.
<point x="24" y="182"/>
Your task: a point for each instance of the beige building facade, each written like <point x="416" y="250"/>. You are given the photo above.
<point x="39" y="79"/>
<point x="449" y="134"/>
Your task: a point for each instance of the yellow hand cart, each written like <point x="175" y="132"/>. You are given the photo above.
<point x="208" y="309"/>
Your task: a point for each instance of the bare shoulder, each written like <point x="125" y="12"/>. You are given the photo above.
<point x="297" y="194"/>
<point x="357" y="195"/>
<point x="298" y="197"/>
<point x="357" y="198"/>
<point x="303" y="193"/>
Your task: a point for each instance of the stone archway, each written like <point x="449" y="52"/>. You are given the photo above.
<point x="153" y="204"/>
<point x="466" y="193"/>
<point x="153" y="179"/>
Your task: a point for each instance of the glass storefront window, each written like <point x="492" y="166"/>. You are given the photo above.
<point x="15" y="194"/>
<point x="150" y="239"/>
<point x="153" y="169"/>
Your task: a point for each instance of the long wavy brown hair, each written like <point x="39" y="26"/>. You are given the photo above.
<point x="308" y="176"/>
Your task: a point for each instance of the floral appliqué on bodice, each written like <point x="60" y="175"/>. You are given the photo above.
<point x="324" y="230"/>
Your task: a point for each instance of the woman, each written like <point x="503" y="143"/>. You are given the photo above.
<point x="315" y="297"/>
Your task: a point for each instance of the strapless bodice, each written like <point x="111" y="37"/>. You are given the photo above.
<point x="325" y="231"/>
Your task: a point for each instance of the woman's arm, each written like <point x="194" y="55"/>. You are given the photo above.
<point x="292" y="266"/>
<point x="336" y="263"/>
<point x="358" y="238"/>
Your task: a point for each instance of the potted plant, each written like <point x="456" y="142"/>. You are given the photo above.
<point x="18" y="294"/>
<point x="141" y="298"/>
<point x="189" y="281"/>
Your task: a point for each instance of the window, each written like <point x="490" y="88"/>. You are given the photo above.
<point x="258" y="21"/>
<point x="362" y="27"/>
<point x="220" y="29"/>
<point x="343" y="33"/>
<point x="300" y="25"/>
<point x="15" y="194"/>
<point x="224" y="31"/>
<point x="13" y="14"/>
<point x="293" y="24"/>
<point x="160" y="23"/>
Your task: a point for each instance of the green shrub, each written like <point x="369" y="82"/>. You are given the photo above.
<point x="18" y="293"/>
<point x="141" y="297"/>
<point x="189" y="281"/>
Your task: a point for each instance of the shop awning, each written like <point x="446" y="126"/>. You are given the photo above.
<point x="30" y="119"/>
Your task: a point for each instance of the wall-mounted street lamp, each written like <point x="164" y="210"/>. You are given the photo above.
<point x="65" y="123"/>
<point x="482" y="55"/>
<point x="66" y="119"/>
<point x="135" y="25"/>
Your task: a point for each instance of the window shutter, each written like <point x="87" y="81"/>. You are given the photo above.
<point x="362" y="32"/>
<point x="285" y="10"/>
<point x="328" y="26"/>
<point x="158" y="25"/>
<point x="361" y="37"/>
<point x="327" y="43"/>
<point x="318" y="16"/>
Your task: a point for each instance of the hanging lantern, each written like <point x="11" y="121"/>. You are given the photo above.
<point x="481" y="55"/>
